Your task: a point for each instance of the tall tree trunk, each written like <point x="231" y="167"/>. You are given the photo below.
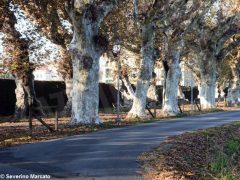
<point x="170" y="102"/>
<point x="86" y="48"/>
<point x="207" y="84"/>
<point x="146" y="70"/>
<point x="173" y="74"/>
<point x="234" y="91"/>
<point x="20" y="106"/>
<point x="207" y="93"/>
<point x="30" y="94"/>
<point x="235" y="72"/>
<point x="21" y="67"/>
<point x="85" y="95"/>
<point x="26" y="96"/>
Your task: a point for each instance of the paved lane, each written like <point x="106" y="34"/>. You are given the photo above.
<point x="109" y="154"/>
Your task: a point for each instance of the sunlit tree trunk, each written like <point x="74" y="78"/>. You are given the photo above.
<point x="152" y="92"/>
<point x="234" y="91"/>
<point x="170" y="105"/>
<point x="128" y="85"/>
<point x="173" y="74"/>
<point x="86" y="48"/>
<point x="207" y="84"/>
<point x="146" y="69"/>
<point x="20" y="106"/>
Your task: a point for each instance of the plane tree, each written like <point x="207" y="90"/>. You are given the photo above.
<point x="177" y="22"/>
<point x="208" y="39"/>
<point x="52" y="21"/>
<point x="18" y="62"/>
<point x="86" y="47"/>
<point x="228" y="74"/>
<point x="171" y="19"/>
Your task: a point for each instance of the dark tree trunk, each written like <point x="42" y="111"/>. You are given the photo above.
<point x="20" y="66"/>
<point x="67" y="111"/>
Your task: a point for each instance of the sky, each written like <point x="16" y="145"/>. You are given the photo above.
<point x="42" y="51"/>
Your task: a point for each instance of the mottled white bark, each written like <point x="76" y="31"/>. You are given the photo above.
<point x="20" y="107"/>
<point x="173" y="74"/>
<point x="235" y="72"/>
<point x="152" y="92"/>
<point x="170" y="102"/>
<point x="207" y="84"/>
<point x="85" y="94"/>
<point x="146" y="69"/>
<point x="233" y="97"/>
<point x="207" y="94"/>
<point x="128" y="94"/>
<point x="86" y="48"/>
<point x="128" y="85"/>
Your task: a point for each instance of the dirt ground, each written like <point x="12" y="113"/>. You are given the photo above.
<point x="17" y="132"/>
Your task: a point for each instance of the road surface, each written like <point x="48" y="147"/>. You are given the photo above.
<point x="109" y="154"/>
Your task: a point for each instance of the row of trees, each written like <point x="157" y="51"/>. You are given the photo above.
<point x="200" y="32"/>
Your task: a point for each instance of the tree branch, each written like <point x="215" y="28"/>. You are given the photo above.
<point x="225" y="51"/>
<point x="105" y="7"/>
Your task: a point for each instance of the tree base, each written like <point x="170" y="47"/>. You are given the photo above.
<point x="74" y="122"/>
<point x="169" y="113"/>
<point x="136" y="116"/>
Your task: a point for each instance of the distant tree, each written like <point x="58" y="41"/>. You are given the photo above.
<point x="50" y="17"/>
<point x="19" y="64"/>
<point x="230" y="72"/>
<point x="208" y="39"/>
<point x="171" y="19"/>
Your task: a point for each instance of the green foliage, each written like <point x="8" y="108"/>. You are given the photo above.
<point x="224" y="165"/>
<point x="233" y="146"/>
<point x="220" y="165"/>
<point x="209" y="132"/>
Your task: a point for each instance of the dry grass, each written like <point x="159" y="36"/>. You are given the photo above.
<point x="13" y="133"/>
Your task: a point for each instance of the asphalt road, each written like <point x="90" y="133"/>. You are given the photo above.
<point x="109" y="154"/>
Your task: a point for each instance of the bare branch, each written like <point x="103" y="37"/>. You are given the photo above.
<point x="225" y="51"/>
